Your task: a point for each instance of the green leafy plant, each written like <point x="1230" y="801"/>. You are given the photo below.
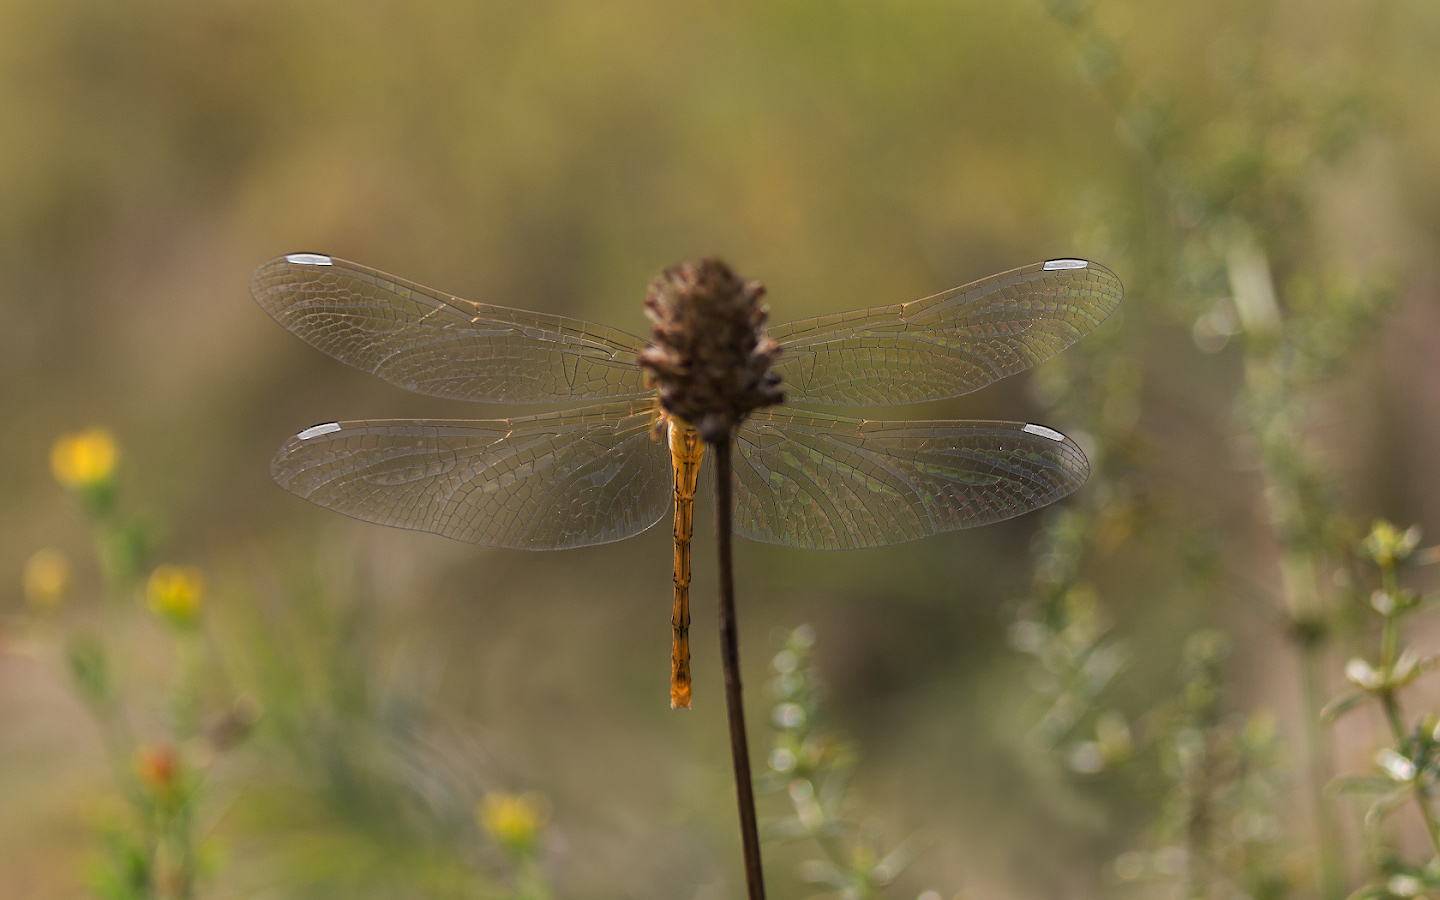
<point x="1218" y="833"/>
<point x="1407" y="766"/>
<point x="153" y="849"/>
<point x="1224" y="239"/>
<point x="309" y="665"/>
<point x="359" y="787"/>
<point x="813" y="768"/>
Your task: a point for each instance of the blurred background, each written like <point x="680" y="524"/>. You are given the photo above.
<point x="339" y="699"/>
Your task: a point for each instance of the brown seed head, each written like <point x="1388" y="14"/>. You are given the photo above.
<point x="708" y="349"/>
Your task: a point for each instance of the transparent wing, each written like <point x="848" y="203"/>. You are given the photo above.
<point x="533" y="483"/>
<point x="433" y="343"/>
<point x="837" y="484"/>
<point x="949" y="344"/>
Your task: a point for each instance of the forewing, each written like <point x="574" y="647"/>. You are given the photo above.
<point x="837" y="484"/>
<point x="430" y="342"/>
<point x="949" y="344"/>
<point x="534" y="483"/>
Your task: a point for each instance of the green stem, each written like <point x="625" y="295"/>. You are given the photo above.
<point x="1389" y="651"/>
<point x="1390" y="634"/>
<point x="1427" y="814"/>
<point x="1396" y="718"/>
<point x="1389" y="643"/>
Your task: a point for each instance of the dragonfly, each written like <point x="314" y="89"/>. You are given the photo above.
<point x="802" y="477"/>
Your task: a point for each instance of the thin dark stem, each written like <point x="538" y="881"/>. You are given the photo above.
<point x="730" y="659"/>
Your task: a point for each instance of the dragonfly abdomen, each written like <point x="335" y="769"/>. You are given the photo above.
<point x="686" y="451"/>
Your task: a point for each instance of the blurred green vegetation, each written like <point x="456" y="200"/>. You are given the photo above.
<point x="1265" y="177"/>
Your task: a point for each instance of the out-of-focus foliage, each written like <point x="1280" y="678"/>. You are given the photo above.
<point x="813" y="769"/>
<point x="1239" y="255"/>
<point x="153" y="845"/>
<point x="1407" y="765"/>
<point x="1263" y="176"/>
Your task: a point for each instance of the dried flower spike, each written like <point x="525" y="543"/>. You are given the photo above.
<point x="708" y="348"/>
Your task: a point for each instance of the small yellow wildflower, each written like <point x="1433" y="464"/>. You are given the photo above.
<point x="175" y="594"/>
<point x="46" y="578"/>
<point x="84" y="459"/>
<point x="513" y="820"/>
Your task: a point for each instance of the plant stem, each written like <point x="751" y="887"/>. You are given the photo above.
<point x="1389" y="650"/>
<point x="1393" y="715"/>
<point x="1390" y="634"/>
<point x="1329" y="863"/>
<point x="730" y="660"/>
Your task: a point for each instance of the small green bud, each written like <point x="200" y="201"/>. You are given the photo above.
<point x="1386" y="545"/>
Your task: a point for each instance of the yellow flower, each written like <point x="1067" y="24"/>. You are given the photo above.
<point x="513" y="820"/>
<point x="175" y="594"/>
<point x="46" y="578"/>
<point x="84" y="459"/>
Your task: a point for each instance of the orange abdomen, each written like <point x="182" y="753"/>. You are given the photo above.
<point x="686" y="451"/>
